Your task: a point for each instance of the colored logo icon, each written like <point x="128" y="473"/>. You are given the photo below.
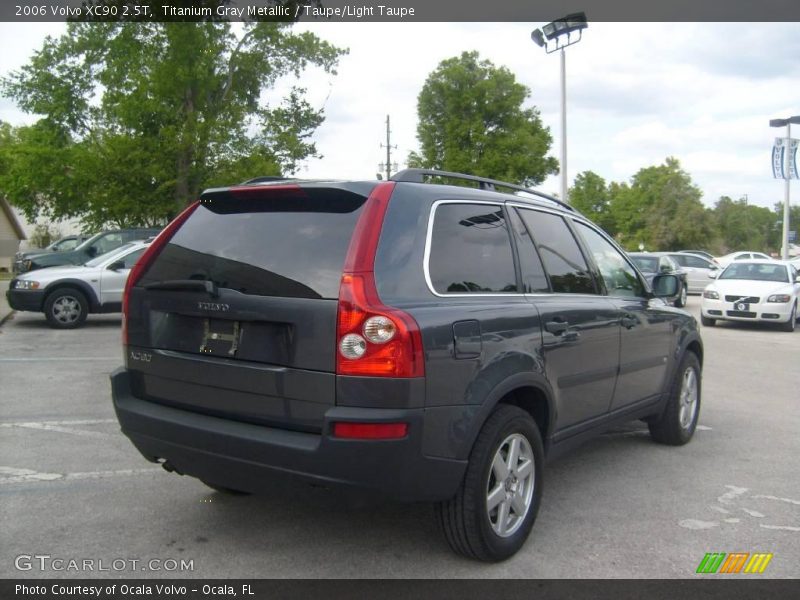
<point x="735" y="562"/>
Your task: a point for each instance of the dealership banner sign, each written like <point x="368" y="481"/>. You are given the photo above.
<point x="779" y="150"/>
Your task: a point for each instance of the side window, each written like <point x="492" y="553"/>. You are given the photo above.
<point x="470" y="250"/>
<point x="107" y="243"/>
<point x="131" y="259"/>
<point x="696" y="262"/>
<point x="560" y="253"/>
<point x="67" y="245"/>
<point x="618" y="275"/>
<point x="683" y="260"/>
<point x="534" y="279"/>
<point x="743" y="257"/>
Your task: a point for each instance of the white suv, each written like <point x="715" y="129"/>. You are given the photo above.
<point x="67" y="294"/>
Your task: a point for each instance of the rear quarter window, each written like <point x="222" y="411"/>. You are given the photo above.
<point x="470" y="250"/>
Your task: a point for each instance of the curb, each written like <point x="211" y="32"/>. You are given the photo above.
<point x="7" y="317"/>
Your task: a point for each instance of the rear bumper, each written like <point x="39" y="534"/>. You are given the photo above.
<point x="31" y="300"/>
<point x="250" y="457"/>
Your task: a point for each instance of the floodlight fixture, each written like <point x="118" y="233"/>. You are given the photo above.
<point x="555" y="32"/>
<point x="538" y="37"/>
<point x="795" y="120"/>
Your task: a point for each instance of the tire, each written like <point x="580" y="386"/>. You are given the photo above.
<point x="680" y="302"/>
<point x="791" y="324"/>
<point x="225" y="490"/>
<point x="677" y="423"/>
<point x="707" y="321"/>
<point x="470" y="527"/>
<point x="66" y="308"/>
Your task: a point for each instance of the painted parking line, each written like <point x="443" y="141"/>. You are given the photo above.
<point x="780" y="527"/>
<point x="64" y="427"/>
<point x="61" y="359"/>
<point x="789" y="500"/>
<point x="67" y="422"/>
<point x="10" y="475"/>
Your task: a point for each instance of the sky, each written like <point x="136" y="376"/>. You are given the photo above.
<point x="636" y="93"/>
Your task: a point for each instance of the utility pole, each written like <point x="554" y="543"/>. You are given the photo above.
<point x="388" y="166"/>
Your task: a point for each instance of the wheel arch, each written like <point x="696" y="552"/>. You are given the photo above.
<point x="528" y="391"/>
<point x="81" y="286"/>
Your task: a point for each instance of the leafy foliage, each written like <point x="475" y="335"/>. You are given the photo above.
<point x="744" y="226"/>
<point x="592" y="196"/>
<point x="471" y="120"/>
<point x="660" y="209"/>
<point x="140" y="117"/>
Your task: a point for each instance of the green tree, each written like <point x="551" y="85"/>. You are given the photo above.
<point x="776" y="236"/>
<point x="140" y="117"/>
<point x="471" y="120"/>
<point x="662" y="210"/>
<point x="591" y="196"/>
<point x="742" y="226"/>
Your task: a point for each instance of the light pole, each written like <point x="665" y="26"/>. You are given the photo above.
<point x="560" y="33"/>
<point x="788" y="169"/>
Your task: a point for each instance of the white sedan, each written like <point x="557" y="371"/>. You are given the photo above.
<point x="754" y="290"/>
<point x="724" y="261"/>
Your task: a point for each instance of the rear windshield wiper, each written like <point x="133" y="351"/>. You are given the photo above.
<point x="200" y="285"/>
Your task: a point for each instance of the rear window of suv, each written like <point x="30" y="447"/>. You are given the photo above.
<point x="288" y="247"/>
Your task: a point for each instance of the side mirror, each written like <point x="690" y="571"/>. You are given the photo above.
<point x="116" y="265"/>
<point x="666" y="286"/>
<point x="797" y="279"/>
<point x="91" y="251"/>
<point x="713" y="274"/>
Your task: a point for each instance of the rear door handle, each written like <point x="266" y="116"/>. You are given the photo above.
<point x="556" y="327"/>
<point x="629" y="321"/>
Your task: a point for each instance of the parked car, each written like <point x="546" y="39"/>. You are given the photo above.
<point x="419" y="341"/>
<point x="654" y="263"/>
<point x="702" y="253"/>
<point x="95" y="246"/>
<point x="754" y="290"/>
<point x="68" y="242"/>
<point x="67" y="294"/>
<point x="794" y="250"/>
<point x="724" y="261"/>
<point x="697" y="269"/>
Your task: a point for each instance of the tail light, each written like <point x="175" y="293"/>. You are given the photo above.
<point x="146" y="260"/>
<point x="373" y="340"/>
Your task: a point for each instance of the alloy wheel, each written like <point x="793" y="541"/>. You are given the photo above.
<point x="509" y="490"/>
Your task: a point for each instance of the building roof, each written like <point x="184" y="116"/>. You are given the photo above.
<point x="12" y="218"/>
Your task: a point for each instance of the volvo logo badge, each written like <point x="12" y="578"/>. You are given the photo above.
<point x="214" y="306"/>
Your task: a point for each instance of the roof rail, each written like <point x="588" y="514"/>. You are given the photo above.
<point x="484" y="183"/>
<point x="264" y="179"/>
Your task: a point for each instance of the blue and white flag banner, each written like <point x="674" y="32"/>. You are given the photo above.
<point x="778" y="161"/>
<point x="783" y="145"/>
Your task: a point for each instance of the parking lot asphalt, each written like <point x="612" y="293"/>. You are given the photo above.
<point x="621" y="506"/>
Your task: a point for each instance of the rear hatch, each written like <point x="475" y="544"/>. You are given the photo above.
<point x="236" y="315"/>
